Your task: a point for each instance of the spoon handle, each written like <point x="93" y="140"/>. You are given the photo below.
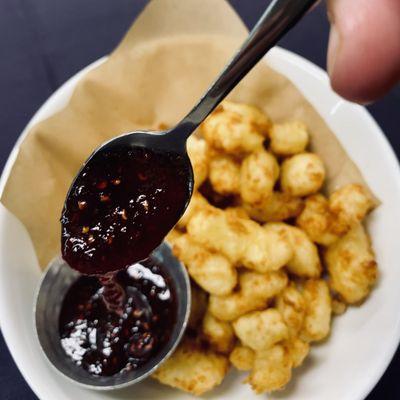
<point x="279" y="17"/>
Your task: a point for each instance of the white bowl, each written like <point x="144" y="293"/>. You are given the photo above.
<point x="363" y="340"/>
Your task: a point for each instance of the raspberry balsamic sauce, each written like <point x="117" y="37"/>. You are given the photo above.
<point x="120" y="208"/>
<point x="106" y="339"/>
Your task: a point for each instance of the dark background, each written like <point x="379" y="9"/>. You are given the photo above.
<point x="45" y="42"/>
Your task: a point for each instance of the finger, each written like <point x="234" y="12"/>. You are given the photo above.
<point x="364" y="47"/>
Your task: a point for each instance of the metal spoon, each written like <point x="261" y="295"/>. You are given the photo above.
<point x="280" y="16"/>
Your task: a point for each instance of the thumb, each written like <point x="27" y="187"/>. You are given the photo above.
<point x="364" y="47"/>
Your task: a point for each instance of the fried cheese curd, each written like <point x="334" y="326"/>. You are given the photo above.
<point x="273" y="261"/>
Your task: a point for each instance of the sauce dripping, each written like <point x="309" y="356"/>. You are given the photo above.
<point x="110" y="334"/>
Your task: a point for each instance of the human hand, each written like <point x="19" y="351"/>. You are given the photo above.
<point x="364" y="47"/>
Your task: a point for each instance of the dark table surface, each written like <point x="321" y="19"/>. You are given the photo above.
<point x="45" y="42"/>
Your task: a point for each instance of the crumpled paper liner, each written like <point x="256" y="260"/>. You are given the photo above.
<point x="166" y="61"/>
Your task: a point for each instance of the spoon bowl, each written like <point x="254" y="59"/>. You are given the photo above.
<point x="124" y="201"/>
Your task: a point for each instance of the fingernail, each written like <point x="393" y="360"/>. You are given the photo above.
<point x="333" y="49"/>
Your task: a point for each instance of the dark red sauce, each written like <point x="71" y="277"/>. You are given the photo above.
<point x="120" y="208"/>
<point x="109" y="333"/>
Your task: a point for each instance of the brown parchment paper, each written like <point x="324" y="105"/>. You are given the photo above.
<point x="166" y="61"/>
